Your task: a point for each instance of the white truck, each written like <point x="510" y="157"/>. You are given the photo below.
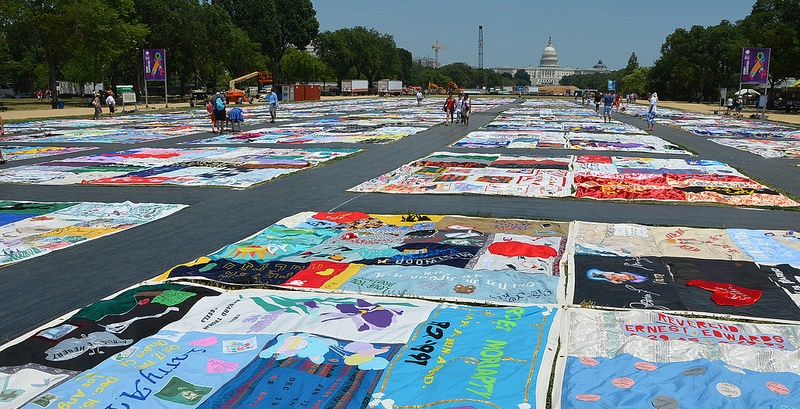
<point x="390" y="87"/>
<point x="354" y="87"/>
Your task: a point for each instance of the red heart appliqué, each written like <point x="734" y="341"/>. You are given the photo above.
<point x="728" y="294"/>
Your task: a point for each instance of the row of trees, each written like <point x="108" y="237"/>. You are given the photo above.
<point x="42" y="41"/>
<point x="695" y="63"/>
<point x="209" y="42"/>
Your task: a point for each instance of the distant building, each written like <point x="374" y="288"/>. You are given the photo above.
<point x="549" y="72"/>
<point x="425" y="61"/>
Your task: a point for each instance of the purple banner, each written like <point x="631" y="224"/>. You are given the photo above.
<point x="155" y="64"/>
<point x="755" y="65"/>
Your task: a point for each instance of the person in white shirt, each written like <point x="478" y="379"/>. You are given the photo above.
<point x="111" y="104"/>
<point x="651" y="112"/>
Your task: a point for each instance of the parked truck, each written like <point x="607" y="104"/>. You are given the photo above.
<point x="354" y="87"/>
<point x="390" y="87"/>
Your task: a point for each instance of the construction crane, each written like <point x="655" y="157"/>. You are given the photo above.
<point x="238" y="96"/>
<point x="436" y="47"/>
<point x="480" y="47"/>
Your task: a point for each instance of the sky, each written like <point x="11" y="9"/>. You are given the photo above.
<point x="516" y="31"/>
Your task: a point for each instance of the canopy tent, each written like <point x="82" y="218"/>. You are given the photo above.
<point x="746" y="91"/>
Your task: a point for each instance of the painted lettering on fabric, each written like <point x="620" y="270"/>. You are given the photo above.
<point x="483" y="379"/>
<point x="90" y="386"/>
<point x="668" y="328"/>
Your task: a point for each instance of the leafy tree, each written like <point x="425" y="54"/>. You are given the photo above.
<point x="521" y="77"/>
<point x="333" y="50"/>
<point x="373" y="54"/>
<point x="493" y="79"/>
<point x="300" y="66"/>
<point x="595" y="80"/>
<point x="460" y="73"/>
<point x="775" y="24"/>
<point x="429" y="75"/>
<point x="405" y="60"/>
<point x="678" y="72"/>
<point x="296" y="26"/>
<point x="633" y="63"/>
<point x="92" y="30"/>
<point x="256" y="17"/>
<point x="635" y="82"/>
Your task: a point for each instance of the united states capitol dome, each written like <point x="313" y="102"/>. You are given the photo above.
<point x="549" y="56"/>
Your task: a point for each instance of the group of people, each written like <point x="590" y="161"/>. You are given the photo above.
<point x="457" y="110"/>
<point x="99" y="100"/>
<point x="613" y="103"/>
<point x="735" y="108"/>
<point x="221" y="117"/>
<point x="44" y="95"/>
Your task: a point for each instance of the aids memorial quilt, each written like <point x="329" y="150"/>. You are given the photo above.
<point x="118" y="134"/>
<point x="298" y="134"/>
<point x="553" y="124"/>
<point x="31" y="229"/>
<point x="492" y="174"/>
<point x="737" y="272"/>
<point x="502" y="261"/>
<point x="234" y="167"/>
<point x="767" y="148"/>
<point x="16" y="153"/>
<point x="635" y="359"/>
<point x="586" y="176"/>
<point x="690" y="180"/>
<point x="263" y="348"/>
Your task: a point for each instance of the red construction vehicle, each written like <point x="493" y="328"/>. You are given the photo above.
<point x="239" y="96"/>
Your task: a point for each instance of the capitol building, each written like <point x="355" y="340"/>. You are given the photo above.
<point x="549" y="72"/>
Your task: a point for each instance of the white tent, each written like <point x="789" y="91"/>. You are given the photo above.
<point x="746" y="91"/>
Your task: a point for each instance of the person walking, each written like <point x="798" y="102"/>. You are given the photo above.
<point x="449" y="109"/>
<point x="459" y="106"/>
<point x="466" y="108"/>
<point x="273" y="106"/>
<point x="597" y="99"/>
<point x="97" y="107"/>
<point x="111" y="103"/>
<point x="651" y="111"/>
<point x="608" y="104"/>
<point x="419" y="98"/>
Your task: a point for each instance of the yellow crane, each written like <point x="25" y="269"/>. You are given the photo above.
<point x="238" y="96"/>
<point x="436" y="47"/>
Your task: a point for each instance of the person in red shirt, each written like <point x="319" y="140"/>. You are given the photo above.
<point x="449" y="108"/>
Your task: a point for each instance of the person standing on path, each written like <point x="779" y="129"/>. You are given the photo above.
<point x="111" y="103"/>
<point x="459" y="107"/>
<point x="449" y="109"/>
<point x="210" y="110"/>
<point x="419" y="98"/>
<point x="273" y="106"/>
<point x="608" y="104"/>
<point x="219" y="110"/>
<point x="466" y="108"/>
<point x="651" y="111"/>
<point x="97" y="107"/>
<point x="597" y="98"/>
